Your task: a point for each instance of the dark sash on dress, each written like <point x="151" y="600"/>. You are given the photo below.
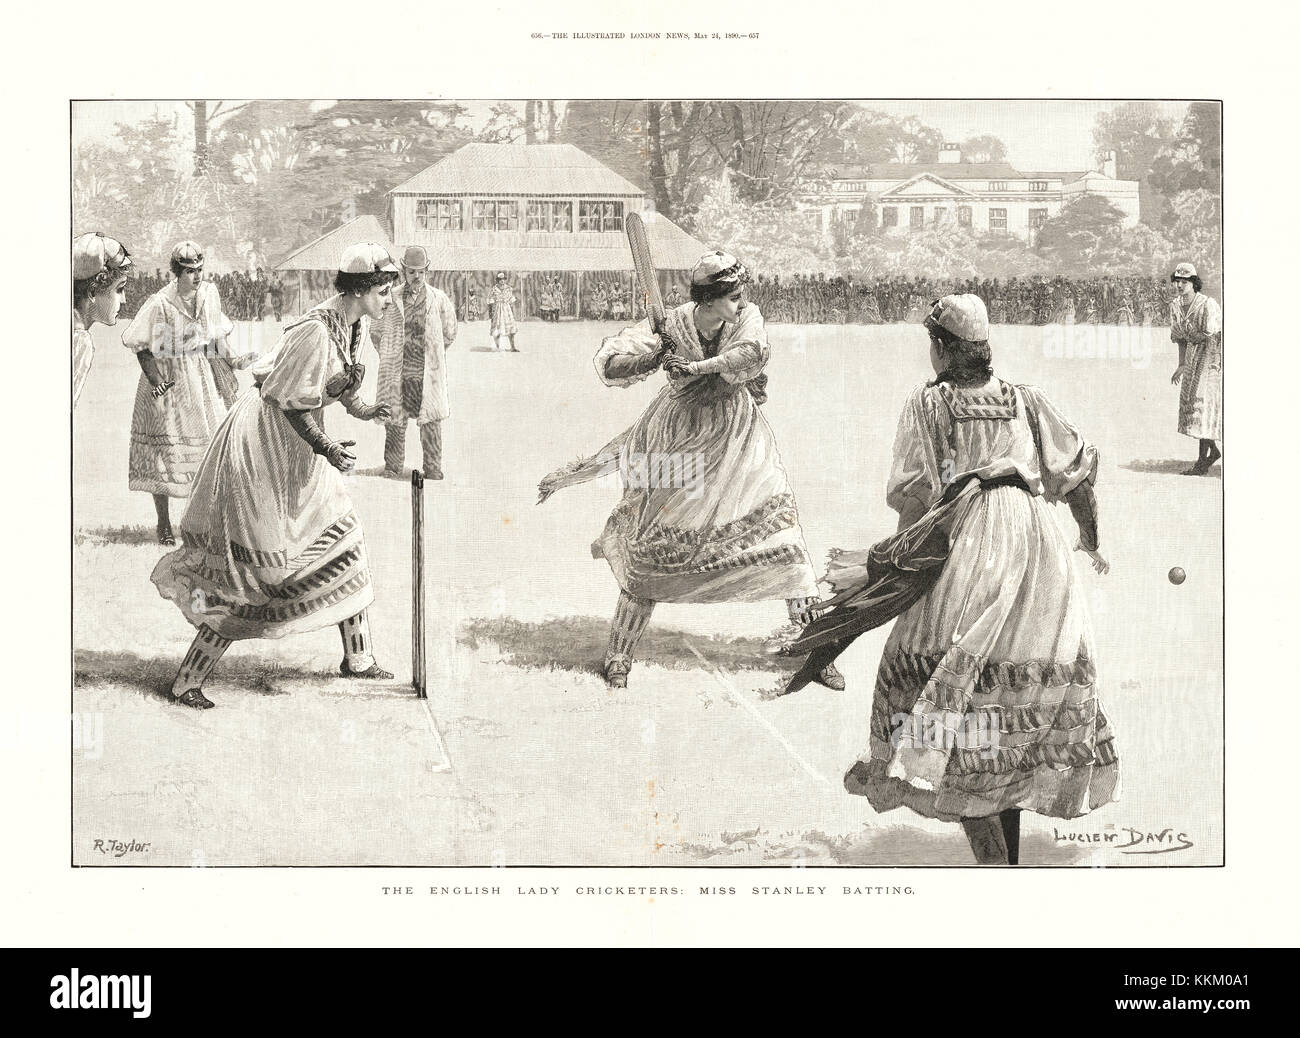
<point x="898" y="571"/>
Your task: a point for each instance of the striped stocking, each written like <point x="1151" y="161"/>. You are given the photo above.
<point x="631" y="616"/>
<point x="205" y="650"/>
<point x="356" y="642"/>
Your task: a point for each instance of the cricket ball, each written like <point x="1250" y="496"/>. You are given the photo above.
<point x="1176" y="575"/>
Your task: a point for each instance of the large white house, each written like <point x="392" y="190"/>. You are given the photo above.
<point x="988" y="197"/>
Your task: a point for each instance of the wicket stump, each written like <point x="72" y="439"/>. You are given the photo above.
<point x="417" y="584"/>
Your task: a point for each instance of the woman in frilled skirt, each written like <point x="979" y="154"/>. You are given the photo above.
<point x="1196" y="325"/>
<point x="501" y="309"/>
<point x="179" y="401"/>
<point x="271" y="544"/>
<point x="986" y="701"/>
<point x="707" y="513"/>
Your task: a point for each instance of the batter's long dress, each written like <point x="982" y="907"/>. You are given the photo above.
<point x="728" y="530"/>
<point x="1199" y="324"/>
<point x="170" y="434"/>
<point x="271" y="544"/>
<point x="1002" y="642"/>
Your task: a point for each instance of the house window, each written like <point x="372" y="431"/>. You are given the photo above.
<point x="496" y="216"/>
<point x="997" y="185"/>
<point x="941" y="215"/>
<point x="1037" y="217"/>
<point x="437" y="214"/>
<point x="997" y="219"/>
<point x="963" y="216"/>
<point x="917" y="216"/>
<point x="1038" y="185"/>
<point x="600" y="216"/>
<point x="550" y="216"/>
<point x="889" y="216"/>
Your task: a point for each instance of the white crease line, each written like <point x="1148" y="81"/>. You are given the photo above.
<point x="754" y="712"/>
<point x="437" y="735"/>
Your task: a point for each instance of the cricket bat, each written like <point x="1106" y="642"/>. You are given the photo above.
<point x="646" y="273"/>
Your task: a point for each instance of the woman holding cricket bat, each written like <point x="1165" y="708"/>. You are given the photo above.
<point x="729" y="533"/>
<point x="271" y="545"/>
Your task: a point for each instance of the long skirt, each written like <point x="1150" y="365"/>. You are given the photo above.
<point x="170" y="435"/>
<point x="707" y="513"/>
<point x="986" y="696"/>
<point x="270" y="542"/>
<point x="1200" y="396"/>
<point x="503" y="318"/>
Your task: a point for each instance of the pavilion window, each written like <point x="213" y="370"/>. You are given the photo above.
<point x="496" y="216"/>
<point x="437" y="214"/>
<point x="600" y="216"/>
<point x="546" y="215"/>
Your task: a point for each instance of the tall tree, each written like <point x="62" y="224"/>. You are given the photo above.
<point x="1193" y="161"/>
<point x="1137" y="132"/>
<point x="658" y="171"/>
<point x="984" y="148"/>
<point x="530" y="122"/>
<point x="204" y="120"/>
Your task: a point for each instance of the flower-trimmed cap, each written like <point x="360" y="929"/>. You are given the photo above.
<point x="367" y="258"/>
<point x="188" y="254"/>
<point x="1185" y="271"/>
<point x="964" y="315"/>
<point x="716" y="267"/>
<point x="97" y="254"/>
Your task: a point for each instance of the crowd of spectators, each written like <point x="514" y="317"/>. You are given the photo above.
<point x="244" y="296"/>
<point x="796" y="299"/>
<point x="816" y="299"/>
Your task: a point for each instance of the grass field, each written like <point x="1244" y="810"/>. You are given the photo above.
<point x="690" y="765"/>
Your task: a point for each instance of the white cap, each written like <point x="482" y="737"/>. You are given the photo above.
<point x="366" y="258"/>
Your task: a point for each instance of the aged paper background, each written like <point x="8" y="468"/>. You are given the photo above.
<point x="936" y="50"/>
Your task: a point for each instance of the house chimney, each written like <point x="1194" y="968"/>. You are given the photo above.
<point x="950" y="153"/>
<point x="1110" y="166"/>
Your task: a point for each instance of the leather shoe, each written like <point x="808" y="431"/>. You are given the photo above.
<point x="374" y="671"/>
<point x="194" y="698"/>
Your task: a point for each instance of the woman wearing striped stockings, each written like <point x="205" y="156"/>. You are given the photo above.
<point x="270" y="542"/>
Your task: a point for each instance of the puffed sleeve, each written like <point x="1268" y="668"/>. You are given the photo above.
<point x="219" y="323"/>
<point x="746" y="352"/>
<point x="1065" y="458"/>
<point x="915" y="481"/>
<point x="299" y="368"/>
<point x="150" y="329"/>
<point x="1213" y="318"/>
<point x="636" y="341"/>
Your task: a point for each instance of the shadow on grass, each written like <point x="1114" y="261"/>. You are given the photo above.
<point x="383" y="473"/>
<point x="578" y="643"/>
<point x="1170" y="466"/>
<point x="129" y="535"/>
<point x="893" y="845"/>
<point x="153" y="676"/>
